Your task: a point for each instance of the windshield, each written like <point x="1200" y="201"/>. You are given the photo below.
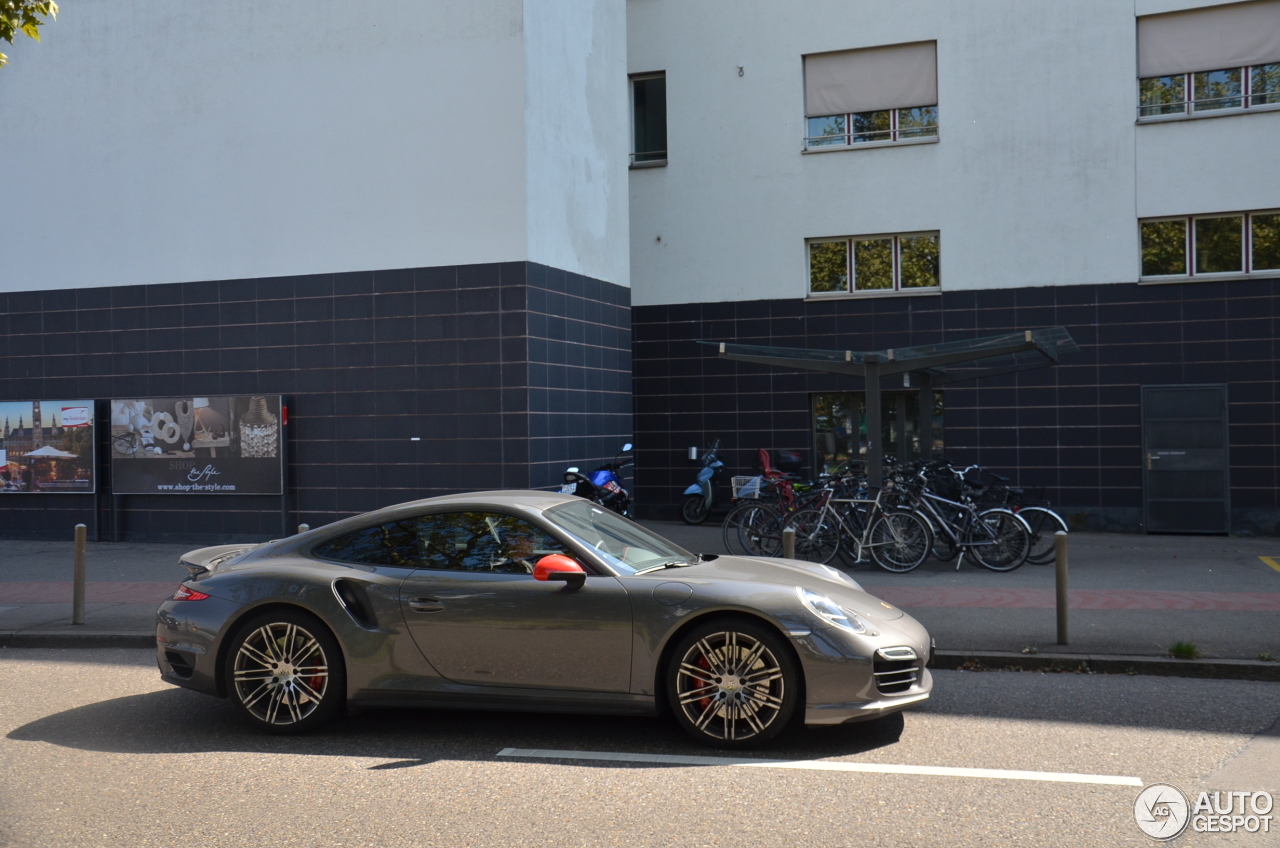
<point x="624" y="545"/>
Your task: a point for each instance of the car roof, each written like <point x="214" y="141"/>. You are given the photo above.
<point x="526" y="498"/>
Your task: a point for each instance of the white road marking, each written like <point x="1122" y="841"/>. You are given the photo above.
<point x="822" y="765"/>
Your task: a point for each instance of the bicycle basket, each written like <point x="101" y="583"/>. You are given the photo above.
<point x="747" y="487"/>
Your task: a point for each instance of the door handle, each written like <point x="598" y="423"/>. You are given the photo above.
<point x="425" y="605"/>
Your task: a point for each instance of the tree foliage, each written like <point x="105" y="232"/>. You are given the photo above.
<point x="24" y="16"/>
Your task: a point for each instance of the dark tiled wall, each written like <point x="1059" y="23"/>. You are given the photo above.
<point x="1074" y="428"/>
<point x="501" y="370"/>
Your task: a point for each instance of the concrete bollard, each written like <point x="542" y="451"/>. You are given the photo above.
<point x="77" y="592"/>
<point x="789" y="543"/>
<point x="302" y="528"/>
<point x="1060" y="563"/>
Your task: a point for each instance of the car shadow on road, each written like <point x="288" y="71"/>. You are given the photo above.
<point x="179" y="722"/>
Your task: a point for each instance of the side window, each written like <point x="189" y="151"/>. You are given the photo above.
<point x="483" y="542"/>
<point x="649" y="119"/>
<point x="386" y="544"/>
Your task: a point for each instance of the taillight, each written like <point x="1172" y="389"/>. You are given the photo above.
<point x="186" y="593"/>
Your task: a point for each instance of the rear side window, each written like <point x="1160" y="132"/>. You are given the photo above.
<point x="395" y="543"/>
<point x="483" y="542"/>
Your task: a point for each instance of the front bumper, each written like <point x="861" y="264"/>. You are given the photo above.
<point x="188" y="634"/>
<point x="867" y="710"/>
<point x="851" y="677"/>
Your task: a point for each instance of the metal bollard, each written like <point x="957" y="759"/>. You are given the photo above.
<point x="1060" y="563"/>
<point x="789" y="543"/>
<point x="77" y="596"/>
<point x="302" y="528"/>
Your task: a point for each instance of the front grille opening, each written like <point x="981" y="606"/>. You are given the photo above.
<point x="181" y="665"/>
<point x="895" y="675"/>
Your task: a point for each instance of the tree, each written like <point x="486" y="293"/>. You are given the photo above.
<point x="24" y="16"/>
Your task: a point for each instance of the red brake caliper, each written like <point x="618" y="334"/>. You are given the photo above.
<point x="704" y="703"/>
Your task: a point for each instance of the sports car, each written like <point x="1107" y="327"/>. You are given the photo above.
<point x="529" y="600"/>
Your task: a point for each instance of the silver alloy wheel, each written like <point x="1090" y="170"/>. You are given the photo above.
<point x="280" y="673"/>
<point x="730" y="686"/>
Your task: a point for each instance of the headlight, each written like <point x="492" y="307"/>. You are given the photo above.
<point x="831" y="612"/>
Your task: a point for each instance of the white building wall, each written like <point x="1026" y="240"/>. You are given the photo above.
<point x="1038" y="178"/>
<point x="169" y="142"/>
<point x="577" y="123"/>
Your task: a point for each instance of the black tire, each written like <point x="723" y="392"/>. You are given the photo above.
<point x="900" y="541"/>
<point x="1044" y="523"/>
<point x="695" y="509"/>
<point x="261" y="672"/>
<point x="1004" y="540"/>
<point x="817" y="534"/>
<point x="733" y="683"/>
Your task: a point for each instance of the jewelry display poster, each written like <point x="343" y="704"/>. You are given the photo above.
<point x="196" y="445"/>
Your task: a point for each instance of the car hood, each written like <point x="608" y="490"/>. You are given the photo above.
<point x="789" y="572"/>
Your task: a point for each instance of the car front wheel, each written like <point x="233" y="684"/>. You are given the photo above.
<point x="733" y="683"/>
<point x="284" y="672"/>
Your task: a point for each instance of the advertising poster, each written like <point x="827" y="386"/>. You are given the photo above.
<point x="46" y="446"/>
<point x="196" y="445"/>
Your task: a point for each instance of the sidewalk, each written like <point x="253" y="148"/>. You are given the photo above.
<point x="1131" y="596"/>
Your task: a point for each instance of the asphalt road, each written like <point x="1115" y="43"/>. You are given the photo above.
<point x="96" y="751"/>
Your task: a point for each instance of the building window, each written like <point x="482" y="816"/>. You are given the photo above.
<point x="862" y="127"/>
<point x="1249" y="87"/>
<point x="1212" y="60"/>
<point x="649" y="119"/>
<point x="840" y="426"/>
<point x="854" y="264"/>
<point x="877" y="95"/>
<point x="1205" y="245"/>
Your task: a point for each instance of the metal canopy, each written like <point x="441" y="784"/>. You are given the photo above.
<point x="932" y="365"/>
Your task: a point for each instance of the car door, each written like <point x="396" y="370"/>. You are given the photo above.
<point x="479" y="617"/>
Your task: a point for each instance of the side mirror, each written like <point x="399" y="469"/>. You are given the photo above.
<point x="626" y="447"/>
<point x="559" y="567"/>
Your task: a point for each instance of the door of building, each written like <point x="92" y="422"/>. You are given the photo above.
<point x="1185" y="465"/>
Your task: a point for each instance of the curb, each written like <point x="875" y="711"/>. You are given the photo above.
<point x="77" y="639"/>
<point x="1107" y="664"/>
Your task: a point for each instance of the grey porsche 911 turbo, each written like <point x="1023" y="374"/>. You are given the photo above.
<point x="526" y="600"/>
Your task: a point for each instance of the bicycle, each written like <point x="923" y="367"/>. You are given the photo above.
<point x="897" y="541"/>
<point x="998" y="538"/>
<point x="1043" y="522"/>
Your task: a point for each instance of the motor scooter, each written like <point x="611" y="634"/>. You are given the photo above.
<point x="700" y="498"/>
<point x="603" y="486"/>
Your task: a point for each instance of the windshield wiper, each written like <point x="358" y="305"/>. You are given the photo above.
<point x="676" y="564"/>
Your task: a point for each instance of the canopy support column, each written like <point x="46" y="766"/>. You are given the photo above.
<point x="875" y="446"/>
<point x="924" y="426"/>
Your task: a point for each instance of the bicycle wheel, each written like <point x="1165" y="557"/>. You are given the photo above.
<point x="817" y="534"/>
<point x="900" y="541"/>
<point x="737" y="525"/>
<point x="1043" y="523"/>
<point x="1000" y="540"/>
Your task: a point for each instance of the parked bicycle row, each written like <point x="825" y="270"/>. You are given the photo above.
<point x="924" y="508"/>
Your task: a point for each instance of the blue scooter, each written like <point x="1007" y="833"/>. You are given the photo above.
<point x="700" y="498"/>
<point x="603" y="485"/>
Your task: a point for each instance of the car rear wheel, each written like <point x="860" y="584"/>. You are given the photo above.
<point x="284" y="672"/>
<point x="733" y="683"/>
